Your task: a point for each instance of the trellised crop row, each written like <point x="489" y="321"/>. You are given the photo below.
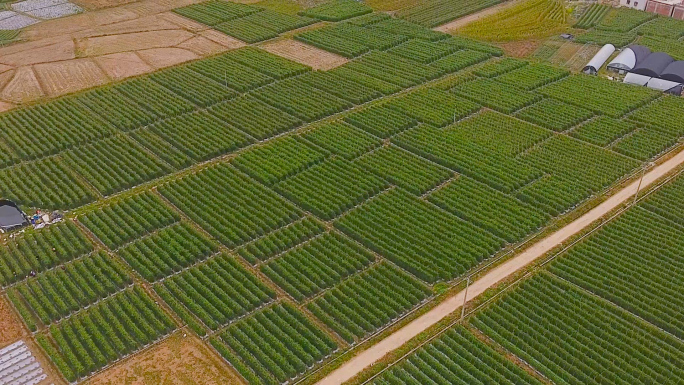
<point x="167" y="251"/>
<point x="306" y="270"/>
<point x="330" y="188"/>
<point x="281" y="240"/>
<point x="105" y="333"/>
<point x="40" y="251"/>
<point x="129" y="219"/>
<point x="218" y="291"/>
<point x="274" y="345"/>
<point x="60" y="292"/>
<point x="231" y="206"/>
<point x="368" y="301"/>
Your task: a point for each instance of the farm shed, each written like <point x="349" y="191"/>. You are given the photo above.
<point x="599" y="59"/>
<point x="629" y="57"/>
<point x="653" y="65"/>
<point x="674" y="72"/>
<point x="11" y="217"/>
<point x="639" y="80"/>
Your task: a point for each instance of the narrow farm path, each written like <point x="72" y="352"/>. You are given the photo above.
<point x="498" y="274"/>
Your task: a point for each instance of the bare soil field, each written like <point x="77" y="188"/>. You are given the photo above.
<point x="520" y="49"/>
<point x="110" y="43"/>
<point x="176" y="361"/>
<point x="305" y="54"/>
<point x="11" y="328"/>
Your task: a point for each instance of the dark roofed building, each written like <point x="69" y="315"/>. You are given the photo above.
<point x="653" y="65"/>
<point x="674" y="72"/>
<point x="11" y="217"/>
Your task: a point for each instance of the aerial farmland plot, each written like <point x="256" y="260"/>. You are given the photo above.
<point x="289" y="192"/>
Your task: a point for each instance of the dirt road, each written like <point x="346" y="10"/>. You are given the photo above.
<point x="460" y="22"/>
<point x="403" y="335"/>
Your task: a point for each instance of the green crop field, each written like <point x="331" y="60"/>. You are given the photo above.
<point x="287" y="214"/>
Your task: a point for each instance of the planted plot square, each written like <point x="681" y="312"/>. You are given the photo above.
<point x="281" y="240"/>
<point x="554" y="115"/>
<point x="434" y="106"/>
<point x="40" y="251"/>
<point x="394" y="69"/>
<point x="546" y="315"/>
<point x="272" y="65"/>
<point x="161" y="148"/>
<point x="58" y="293"/>
<point x="460" y="60"/>
<point x="159" y="100"/>
<point x="105" y="333"/>
<point x="663" y="114"/>
<point x="277" y="21"/>
<point x="216" y="11"/>
<point x="499" y="67"/>
<point x="586" y="166"/>
<point x="115" y="164"/>
<point x="666" y="202"/>
<point x="129" y="219"/>
<point x="230" y="73"/>
<point x="254" y="117"/>
<point x="7" y="156"/>
<point x="533" y="76"/>
<point x="644" y="143"/>
<point x="637" y="272"/>
<point x="492" y="210"/>
<point x="404" y="169"/>
<point x="46" y="183"/>
<point x="278" y="159"/>
<point x="624" y="19"/>
<point x="192" y="86"/>
<point x="496" y="96"/>
<point x="454" y="148"/>
<point x="603" y="130"/>
<point x="336" y="10"/>
<point x="398" y="225"/>
<point x="274" y="345"/>
<point x="555" y="194"/>
<point x="465" y="43"/>
<point x="342" y="139"/>
<point x="408" y="29"/>
<point x="228" y="204"/>
<point x="122" y="112"/>
<point x="218" y="291"/>
<point x="326" y="39"/>
<point x="301" y="99"/>
<point x="167" y="251"/>
<point x="344" y="88"/>
<point x="368" y="301"/>
<point x="598" y="94"/>
<point x="246" y="30"/>
<point x="381" y="121"/>
<point x="369" y="81"/>
<point x="451" y="357"/>
<point x="330" y="188"/>
<point x="423" y="51"/>
<point x="46" y="129"/>
<point x="309" y="269"/>
<point x="200" y="135"/>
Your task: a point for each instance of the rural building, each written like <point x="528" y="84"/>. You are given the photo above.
<point x="637" y="80"/>
<point x="662" y="7"/>
<point x="653" y="65"/>
<point x="635" y="4"/>
<point x="678" y="12"/>
<point x="11" y="217"/>
<point x="599" y="59"/>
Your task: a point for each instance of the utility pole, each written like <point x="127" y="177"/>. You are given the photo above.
<point x="465" y="298"/>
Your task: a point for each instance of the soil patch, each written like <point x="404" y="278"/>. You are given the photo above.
<point x="67" y="76"/>
<point x="104" y="45"/>
<point x="520" y="49"/>
<point x="11" y="328"/>
<point x="23" y="87"/>
<point x="314" y="57"/>
<point x="123" y="65"/>
<point x="63" y="50"/>
<point x="166" y="57"/>
<point x="98" y="4"/>
<point x="176" y="361"/>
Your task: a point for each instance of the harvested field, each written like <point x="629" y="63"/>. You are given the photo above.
<point x="69" y="76"/>
<point x="63" y="50"/>
<point x="98" y="4"/>
<point x="520" y="49"/>
<point x="123" y="65"/>
<point x="24" y="87"/>
<point x="314" y="57"/>
<point x="178" y="360"/>
<point x="104" y="45"/>
<point x="166" y="57"/>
